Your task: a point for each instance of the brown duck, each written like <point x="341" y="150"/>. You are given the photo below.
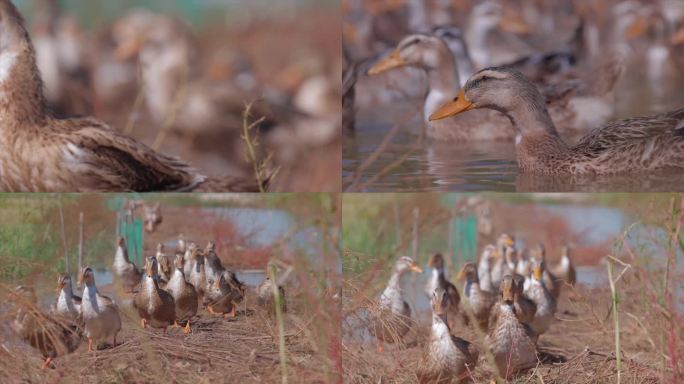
<point x="480" y="301"/>
<point x="155" y="306"/>
<point x="50" y="336"/>
<point x="222" y="296"/>
<point x="42" y="153"/>
<point x="184" y="294"/>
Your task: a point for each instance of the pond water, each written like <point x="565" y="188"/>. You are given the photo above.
<point x="485" y="166"/>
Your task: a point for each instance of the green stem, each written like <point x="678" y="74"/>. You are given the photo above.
<point x="281" y="325"/>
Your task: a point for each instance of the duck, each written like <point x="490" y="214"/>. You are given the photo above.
<point x="100" y="313"/>
<point x="155" y="306"/>
<point x="164" y="265"/>
<point x="552" y="283"/>
<point x="510" y="341"/>
<point x="52" y="337"/>
<point x="446" y="357"/>
<point x="438" y="280"/>
<point x="394" y="318"/>
<point x="479" y="302"/>
<point x="536" y="291"/>
<point x="484" y="268"/>
<point x="565" y="270"/>
<point x="500" y="266"/>
<point x="42" y="153"/>
<point x="212" y="263"/>
<point x="525" y="308"/>
<point x="126" y="274"/>
<point x="68" y="304"/>
<point x="152" y="216"/>
<point x="198" y="275"/>
<point x="183" y="293"/>
<point x="187" y="249"/>
<point x="222" y="296"/>
<point x="266" y="290"/>
<point x="640" y="144"/>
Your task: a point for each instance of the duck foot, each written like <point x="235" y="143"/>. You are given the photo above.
<point x="46" y="364"/>
<point x="380" y="346"/>
<point x="187" y="329"/>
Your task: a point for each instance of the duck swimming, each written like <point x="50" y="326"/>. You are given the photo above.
<point x="640" y="144"/>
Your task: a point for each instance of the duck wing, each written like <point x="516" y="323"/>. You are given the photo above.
<point x="105" y="160"/>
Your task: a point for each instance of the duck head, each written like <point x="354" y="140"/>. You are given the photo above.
<point x="500" y="88"/>
<point x="507" y="289"/>
<point x="179" y="262"/>
<point x="152" y="217"/>
<point x="87" y="277"/>
<point x="436" y="261"/>
<point x="417" y="50"/>
<point x="405" y="264"/>
<point x="468" y="272"/>
<point x="64" y="282"/>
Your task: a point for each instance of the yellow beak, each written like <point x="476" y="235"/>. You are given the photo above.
<point x="416" y="268"/>
<point x="390" y="62"/>
<point x="452" y="108"/>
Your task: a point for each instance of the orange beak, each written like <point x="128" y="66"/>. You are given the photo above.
<point x="453" y="108"/>
<point x="390" y="62"/>
<point x="416" y="268"/>
<point x="637" y="29"/>
<point x="128" y="49"/>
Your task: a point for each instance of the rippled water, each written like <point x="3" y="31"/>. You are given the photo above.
<point x="485" y="166"/>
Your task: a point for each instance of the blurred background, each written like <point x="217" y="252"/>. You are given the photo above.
<point x="177" y="75"/>
<point x="43" y="235"/>
<point x="550" y="41"/>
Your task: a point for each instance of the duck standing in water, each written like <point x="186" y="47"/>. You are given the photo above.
<point x="155" y="306"/>
<point x="184" y="294"/>
<point x="510" y="341"/>
<point x="394" y="319"/>
<point x="50" y="336"/>
<point x="447" y="357"/>
<point x="100" y="313"/>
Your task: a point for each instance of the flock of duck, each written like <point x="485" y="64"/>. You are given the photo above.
<point x="532" y="97"/>
<point x="167" y="292"/>
<point x="510" y="296"/>
<point x="45" y="149"/>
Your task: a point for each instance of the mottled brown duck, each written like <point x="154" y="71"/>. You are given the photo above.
<point x="155" y="306"/>
<point x="184" y="294"/>
<point x="640" y="144"/>
<point x="447" y="358"/>
<point x="479" y="302"/>
<point x="438" y="280"/>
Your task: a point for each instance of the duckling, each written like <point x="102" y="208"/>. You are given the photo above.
<point x="536" y="291"/>
<point x="52" y="337"/>
<point x="68" y="304"/>
<point x="222" y="297"/>
<point x="265" y="292"/>
<point x="41" y="153"/>
<point x="446" y="357"/>
<point x="164" y="267"/>
<point x="509" y="340"/>
<point x="152" y="216"/>
<point x="565" y="270"/>
<point x="484" y="269"/>
<point x="100" y="313"/>
<point x="184" y="294"/>
<point x="480" y="302"/>
<point x="438" y="280"/>
<point x="126" y="274"/>
<point x="642" y="144"/>
<point x="198" y="276"/>
<point x="155" y="306"/>
<point x="393" y="321"/>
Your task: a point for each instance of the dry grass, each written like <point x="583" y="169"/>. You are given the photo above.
<point x="243" y="349"/>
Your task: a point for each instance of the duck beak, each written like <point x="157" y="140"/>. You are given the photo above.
<point x="390" y="62"/>
<point x="637" y="29"/>
<point x="416" y="268"/>
<point x="128" y="49"/>
<point x="452" y="108"/>
<point x="537" y="272"/>
<point x="678" y="37"/>
<point x="507" y="294"/>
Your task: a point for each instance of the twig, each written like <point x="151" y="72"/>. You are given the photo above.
<point x="251" y="143"/>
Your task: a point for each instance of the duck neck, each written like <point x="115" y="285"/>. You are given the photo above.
<point x="443" y="83"/>
<point x="67" y="293"/>
<point x="121" y="255"/>
<point x="21" y="88"/>
<point x="440" y="327"/>
<point x="179" y="276"/>
<point x="394" y="281"/>
<point x="472" y="284"/>
<point x="534" y="127"/>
